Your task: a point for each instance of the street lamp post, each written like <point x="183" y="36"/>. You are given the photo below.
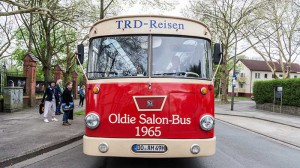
<point x="234" y="58"/>
<point x="233" y="72"/>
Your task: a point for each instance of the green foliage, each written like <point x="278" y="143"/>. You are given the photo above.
<point x="80" y="112"/>
<point x="263" y="91"/>
<point x="17" y="55"/>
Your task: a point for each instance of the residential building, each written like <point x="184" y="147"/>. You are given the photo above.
<point x="249" y="71"/>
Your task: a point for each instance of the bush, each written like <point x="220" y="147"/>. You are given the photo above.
<point x="263" y="91"/>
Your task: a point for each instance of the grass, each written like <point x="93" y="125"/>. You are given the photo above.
<point x="80" y="112"/>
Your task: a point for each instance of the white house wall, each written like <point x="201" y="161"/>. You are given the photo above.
<point x="250" y="77"/>
<point x="247" y="73"/>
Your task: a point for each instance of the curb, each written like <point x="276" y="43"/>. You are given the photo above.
<point x="35" y="152"/>
<point x="289" y="143"/>
<point x="259" y="119"/>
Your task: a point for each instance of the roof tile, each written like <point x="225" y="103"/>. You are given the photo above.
<point x="257" y="65"/>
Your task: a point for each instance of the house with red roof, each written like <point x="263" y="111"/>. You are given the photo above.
<point x="249" y="71"/>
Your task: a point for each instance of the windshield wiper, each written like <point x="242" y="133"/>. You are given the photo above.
<point x="178" y="74"/>
<point x="165" y="74"/>
<point x="110" y="72"/>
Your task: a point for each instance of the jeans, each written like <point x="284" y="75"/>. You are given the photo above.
<point x="58" y="106"/>
<point x="66" y="116"/>
<point x="81" y="100"/>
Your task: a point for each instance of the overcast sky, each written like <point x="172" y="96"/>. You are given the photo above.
<point x="137" y="10"/>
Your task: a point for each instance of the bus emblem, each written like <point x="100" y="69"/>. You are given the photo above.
<point x="149" y="103"/>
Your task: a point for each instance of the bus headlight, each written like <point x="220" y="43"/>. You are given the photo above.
<point x="92" y="120"/>
<point x="207" y="122"/>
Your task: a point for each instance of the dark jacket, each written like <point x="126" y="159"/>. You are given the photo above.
<point x="58" y="90"/>
<point x="49" y="94"/>
<point x="67" y="96"/>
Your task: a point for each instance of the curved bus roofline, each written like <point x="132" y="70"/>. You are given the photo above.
<point x="155" y="16"/>
<point x="149" y="24"/>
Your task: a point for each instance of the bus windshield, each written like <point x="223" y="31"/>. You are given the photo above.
<point x="118" y="56"/>
<point x="127" y="56"/>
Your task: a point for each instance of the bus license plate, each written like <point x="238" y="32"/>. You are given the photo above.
<point x="149" y="148"/>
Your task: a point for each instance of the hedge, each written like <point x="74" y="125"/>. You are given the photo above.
<point x="263" y="91"/>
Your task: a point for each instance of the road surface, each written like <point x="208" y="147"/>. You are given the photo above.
<point x="236" y="148"/>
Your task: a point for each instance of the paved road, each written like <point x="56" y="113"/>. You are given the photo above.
<point x="235" y="148"/>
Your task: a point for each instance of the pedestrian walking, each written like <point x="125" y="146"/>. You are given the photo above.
<point x="67" y="103"/>
<point x="50" y="104"/>
<point x="81" y="95"/>
<point x="59" y="90"/>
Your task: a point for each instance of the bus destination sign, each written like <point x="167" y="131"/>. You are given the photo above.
<point x="152" y="24"/>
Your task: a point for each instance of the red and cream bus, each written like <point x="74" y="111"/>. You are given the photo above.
<point x="149" y="89"/>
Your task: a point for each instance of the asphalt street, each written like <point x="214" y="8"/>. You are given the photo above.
<point x="236" y="147"/>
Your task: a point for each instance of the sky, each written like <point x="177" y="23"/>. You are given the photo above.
<point x="179" y="6"/>
<point x="137" y="10"/>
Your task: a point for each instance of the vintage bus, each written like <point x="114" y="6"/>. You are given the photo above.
<point x="149" y="89"/>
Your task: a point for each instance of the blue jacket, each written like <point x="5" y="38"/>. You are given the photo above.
<point x="81" y="92"/>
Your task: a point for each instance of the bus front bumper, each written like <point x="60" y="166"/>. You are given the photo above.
<point x="122" y="147"/>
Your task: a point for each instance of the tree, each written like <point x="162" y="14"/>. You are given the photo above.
<point x="47" y="40"/>
<point x="45" y="33"/>
<point x="23" y="8"/>
<point x="5" y="31"/>
<point x="225" y="18"/>
<point x="276" y="32"/>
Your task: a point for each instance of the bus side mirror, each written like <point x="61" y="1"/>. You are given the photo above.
<point x="218" y="53"/>
<point x="80" y="53"/>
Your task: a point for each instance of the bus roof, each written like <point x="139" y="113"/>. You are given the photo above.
<point x="149" y="24"/>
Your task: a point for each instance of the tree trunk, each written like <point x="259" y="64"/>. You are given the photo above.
<point x="30" y="32"/>
<point x="47" y="73"/>
<point x="101" y="9"/>
<point x="47" y="70"/>
<point x="224" y="79"/>
<point x="67" y="77"/>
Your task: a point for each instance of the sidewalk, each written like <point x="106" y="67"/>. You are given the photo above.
<point x="24" y="134"/>
<point x="281" y="127"/>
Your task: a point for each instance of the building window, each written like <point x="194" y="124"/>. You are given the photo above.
<point x="295" y="76"/>
<point x="257" y="75"/>
<point x="241" y="85"/>
<point x="266" y="76"/>
<point x="280" y="76"/>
